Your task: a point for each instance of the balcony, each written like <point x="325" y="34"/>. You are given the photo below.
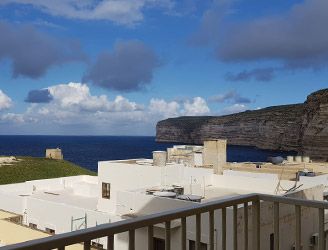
<point x="251" y="206"/>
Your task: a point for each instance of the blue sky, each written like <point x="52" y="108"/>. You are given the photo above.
<point x="116" y="67"/>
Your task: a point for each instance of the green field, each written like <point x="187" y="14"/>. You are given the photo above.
<point x="31" y="168"/>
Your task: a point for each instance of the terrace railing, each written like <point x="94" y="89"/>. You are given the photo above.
<point x="85" y="236"/>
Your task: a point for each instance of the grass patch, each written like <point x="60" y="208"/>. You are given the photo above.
<point x="31" y="168"/>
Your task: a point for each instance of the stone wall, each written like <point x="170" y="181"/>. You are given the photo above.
<point x="300" y="127"/>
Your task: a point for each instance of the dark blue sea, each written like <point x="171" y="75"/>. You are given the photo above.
<point x="86" y="151"/>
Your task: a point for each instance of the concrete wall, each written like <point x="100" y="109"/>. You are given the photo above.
<point x="215" y="154"/>
<point x="123" y="176"/>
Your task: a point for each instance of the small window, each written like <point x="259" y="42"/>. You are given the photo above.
<point x="96" y="245"/>
<point x="271" y="241"/>
<point x="192" y="245"/>
<point x="50" y="231"/>
<point x="106" y="190"/>
<point x="32" y="225"/>
<point x="159" y="244"/>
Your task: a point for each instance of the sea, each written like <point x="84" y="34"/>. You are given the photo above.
<point x="86" y="151"/>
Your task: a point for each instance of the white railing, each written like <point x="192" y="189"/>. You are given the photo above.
<point x="131" y="225"/>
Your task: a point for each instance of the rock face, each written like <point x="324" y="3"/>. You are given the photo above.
<point x="300" y="127"/>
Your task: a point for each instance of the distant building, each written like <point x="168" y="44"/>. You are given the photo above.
<point x="54" y="153"/>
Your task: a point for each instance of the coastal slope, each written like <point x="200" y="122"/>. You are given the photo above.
<point x="299" y="127"/>
<point x="32" y="168"/>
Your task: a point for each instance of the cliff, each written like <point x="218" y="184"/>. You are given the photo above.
<point x="300" y="127"/>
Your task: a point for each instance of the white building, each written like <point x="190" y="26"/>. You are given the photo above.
<point x="121" y="191"/>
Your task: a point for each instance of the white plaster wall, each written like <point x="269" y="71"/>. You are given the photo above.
<point x="251" y="174"/>
<point x="85" y="189"/>
<point x="123" y="176"/>
<point x="141" y="204"/>
<point x="12" y="203"/>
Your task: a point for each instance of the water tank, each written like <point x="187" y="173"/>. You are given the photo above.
<point x="159" y="158"/>
<point x="298" y="159"/>
<point x="306" y="159"/>
<point x="276" y="160"/>
<point x="165" y="194"/>
<point x="290" y="158"/>
<point x="179" y="190"/>
<point x="190" y="197"/>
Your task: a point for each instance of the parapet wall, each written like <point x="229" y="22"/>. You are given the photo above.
<point x="300" y="127"/>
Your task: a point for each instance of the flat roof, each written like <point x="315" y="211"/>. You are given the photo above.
<point x="67" y="196"/>
<point x="12" y="233"/>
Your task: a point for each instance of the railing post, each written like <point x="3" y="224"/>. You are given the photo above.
<point x="298" y="227"/>
<point x="167" y="235"/>
<point x="321" y="229"/>
<point x="183" y="233"/>
<point x="198" y="231"/>
<point x="86" y="245"/>
<point x="256" y="224"/>
<point x="235" y="234"/>
<point x="110" y="242"/>
<point x="150" y="237"/>
<point x="132" y="240"/>
<point x="276" y="225"/>
<point x="246" y="226"/>
<point x="211" y="229"/>
<point x="224" y="229"/>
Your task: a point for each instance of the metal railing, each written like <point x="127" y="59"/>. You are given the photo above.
<point x="131" y="225"/>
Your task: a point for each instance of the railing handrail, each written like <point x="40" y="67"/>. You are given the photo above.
<point x="107" y="229"/>
<point x="129" y="224"/>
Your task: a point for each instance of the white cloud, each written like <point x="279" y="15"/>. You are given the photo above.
<point x="126" y="12"/>
<point x="73" y="109"/>
<point x="197" y="106"/>
<point x="5" y="101"/>
<point x="77" y="97"/>
<point x="236" y="108"/>
<point x="12" y="118"/>
<point x="163" y="108"/>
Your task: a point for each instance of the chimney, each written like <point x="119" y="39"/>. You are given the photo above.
<point x="215" y="154"/>
<point x="159" y="158"/>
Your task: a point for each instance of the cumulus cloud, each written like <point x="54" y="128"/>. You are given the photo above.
<point x="5" y="101"/>
<point x="39" y="96"/>
<point x="129" y="67"/>
<point x="196" y="106"/>
<point x="231" y="96"/>
<point x="235" y="108"/>
<point x="296" y="39"/>
<point x="12" y="118"/>
<point x="164" y="108"/>
<point x="77" y="97"/>
<point x="126" y="12"/>
<point x="32" y="53"/>
<point x="75" y="110"/>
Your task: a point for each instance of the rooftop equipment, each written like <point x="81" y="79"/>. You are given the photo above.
<point x="190" y="197"/>
<point x="215" y="154"/>
<point x="165" y="194"/>
<point x="159" y="158"/>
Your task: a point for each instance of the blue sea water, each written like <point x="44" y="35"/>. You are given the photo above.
<point x="86" y="151"/>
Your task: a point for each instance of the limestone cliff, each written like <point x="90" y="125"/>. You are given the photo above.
<point x="300" y="127"/>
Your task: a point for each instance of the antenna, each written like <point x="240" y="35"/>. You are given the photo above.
<point x="204" y="186"/>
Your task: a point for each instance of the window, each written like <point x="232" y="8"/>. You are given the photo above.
<point x="32" y="225"/>
<point x="106" y="190"/>
<point x="50" y="231"/>
<point x="97" y="245"/>
<point x="271" y="241"/>
<point x="192" y="245"/>
<point x="159" y="244"/>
